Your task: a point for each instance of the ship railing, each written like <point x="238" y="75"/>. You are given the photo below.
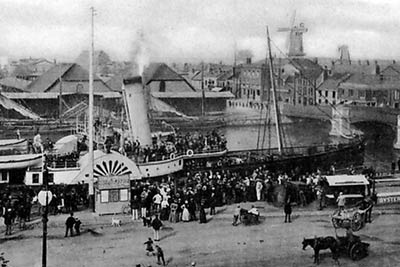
<point x="295" y="150"/>
<point x="65" y="164"/>
<point x="188" y="153"/>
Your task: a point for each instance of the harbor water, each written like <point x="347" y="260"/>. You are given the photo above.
<point x="379" y="151"/>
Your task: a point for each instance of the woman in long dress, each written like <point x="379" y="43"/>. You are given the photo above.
<point x="185" y="213"/>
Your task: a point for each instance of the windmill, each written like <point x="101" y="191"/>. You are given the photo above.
<point x="344" y="54"/>
<point x="294" y="41"/>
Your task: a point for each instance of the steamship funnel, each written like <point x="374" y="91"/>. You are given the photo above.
<point x="137" y="110"/>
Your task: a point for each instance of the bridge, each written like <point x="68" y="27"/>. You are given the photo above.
<point x="342" y="116"/>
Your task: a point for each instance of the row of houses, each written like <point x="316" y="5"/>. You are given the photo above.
<point x="62" y="93"/>
<point x="308" y="82"/>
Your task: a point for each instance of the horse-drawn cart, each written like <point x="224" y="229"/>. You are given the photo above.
<point x="353" y="218"/>
<point x="352" y="246"/>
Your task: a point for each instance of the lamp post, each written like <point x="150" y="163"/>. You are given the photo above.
<point x="44" y="198"/>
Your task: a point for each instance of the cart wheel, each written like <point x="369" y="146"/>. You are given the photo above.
<point x="336" y="223"/>
<point x="358" y="251"/>
<point x="357" y="222"/>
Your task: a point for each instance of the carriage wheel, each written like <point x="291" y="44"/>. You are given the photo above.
<point x="336" y="223"/>
<point x="357" y="222"/>
<point x="358" y="251"/>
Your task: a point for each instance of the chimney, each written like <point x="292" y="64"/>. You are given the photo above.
<point x="248" y="60"/>
<point x="377" y="68"/>
<point x="137" y="109"/>
<point x="325" y="72"/>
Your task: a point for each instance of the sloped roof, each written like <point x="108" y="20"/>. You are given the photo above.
<point x="334" y="80"/>
<point x="394" y="67"/>
<point x="225" y="76"/>
<point x="68" y="72"/>
<point x="15" y="82"/>
<point x="160" y="72"/>
<point x="360" y="80"/>
<point x="307" y="68"/>
<point x="47" y="79"/>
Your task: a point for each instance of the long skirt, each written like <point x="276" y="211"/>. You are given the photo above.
<point x="185" y="215"/>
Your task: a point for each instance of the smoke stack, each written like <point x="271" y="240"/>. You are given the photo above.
<point x="137" y="109"/>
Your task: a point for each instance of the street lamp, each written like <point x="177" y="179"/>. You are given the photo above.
<point x="44" y="198"/>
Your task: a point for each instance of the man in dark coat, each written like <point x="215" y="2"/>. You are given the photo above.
<point x="160" y="255"/>
<point x="156" y="224"/>
<point x="288" y="211"/>
<point x="203" y="218"/>
<point x="69" y="224"/>
<point x="8" y="218"/>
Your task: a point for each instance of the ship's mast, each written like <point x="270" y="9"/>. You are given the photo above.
<point x="275" y="102"/>
<point x="202" y="91"/>
<point x="91" y="103"/>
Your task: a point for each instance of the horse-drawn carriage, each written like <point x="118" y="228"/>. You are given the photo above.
<point x="353" y="218"/>
<point x="349" y="245"/>
<point x="352" y="246"/>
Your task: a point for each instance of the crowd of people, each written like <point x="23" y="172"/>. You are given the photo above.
<point x="177" y="144"/>
<point x="187" y="201"/>
<point x="17" y="206"/>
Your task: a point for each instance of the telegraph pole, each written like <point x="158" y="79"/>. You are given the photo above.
<point x="91" y="104"/>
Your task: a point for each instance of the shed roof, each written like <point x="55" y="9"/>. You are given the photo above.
<point x="346" y="180"/>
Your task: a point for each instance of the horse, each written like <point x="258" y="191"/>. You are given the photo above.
<point x="321" y="243"/>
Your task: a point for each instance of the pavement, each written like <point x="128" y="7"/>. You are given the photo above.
<point x="216" y="243"/>
<point x="92" y="220"/>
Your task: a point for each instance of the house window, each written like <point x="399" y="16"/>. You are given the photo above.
<point x="361" y="93"/>
<point x="333" y="94"/>
<point x="326" y="93"/>
<point x="35" y="178"/>
<point x="258" y="92"/>
<point x="162" y="86"/>
<point x="396" y="105"/>
<point x="3" y="175"/>
<point x="104" y="196"/>
<point x="114" y="195"/>
<point x="123" y="193"/>
<point x="319" y="101"/>
<point x="351" y="92"/>
<point x="396" y="94"/>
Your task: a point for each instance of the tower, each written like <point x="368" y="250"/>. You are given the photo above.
<point x="294" y="42"/>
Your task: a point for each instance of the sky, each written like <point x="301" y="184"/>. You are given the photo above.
<point x="196" y="30"/>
